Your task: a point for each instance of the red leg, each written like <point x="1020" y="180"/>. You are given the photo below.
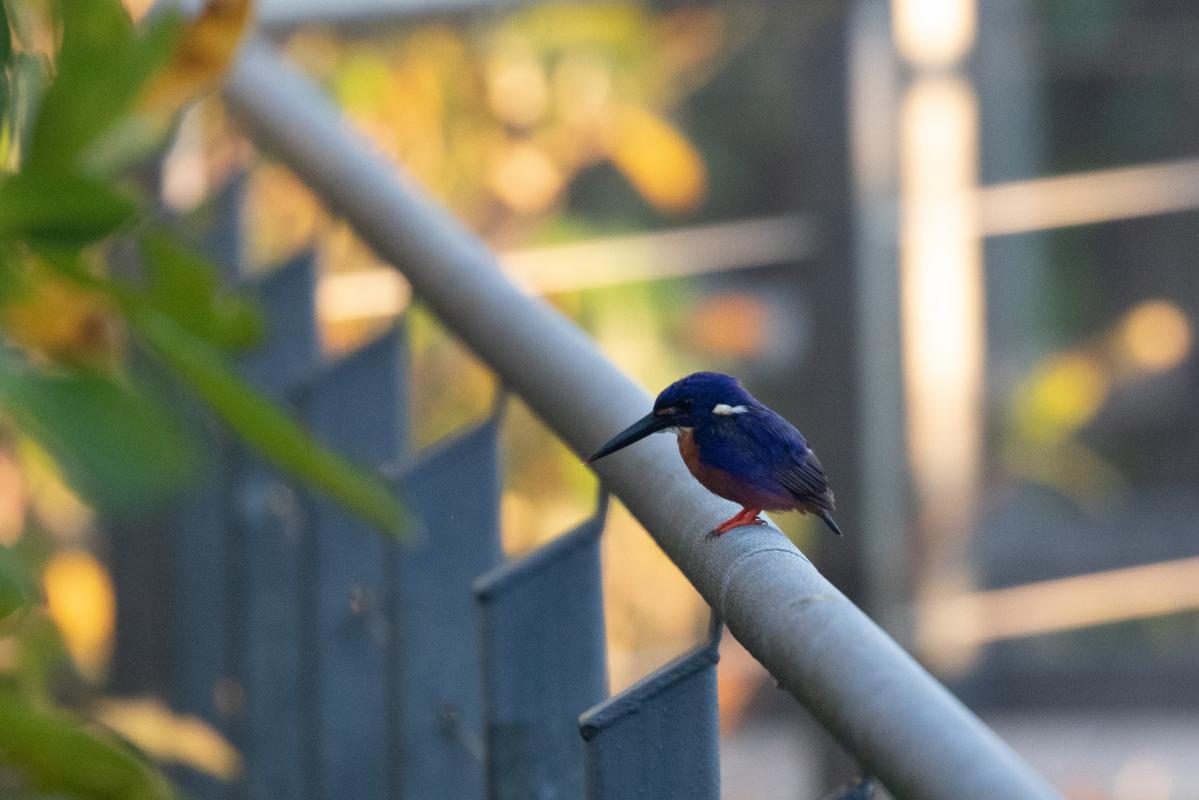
<point x="746" y="516"/>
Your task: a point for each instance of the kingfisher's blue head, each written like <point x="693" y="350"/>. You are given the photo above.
<point x="691" y="402"/>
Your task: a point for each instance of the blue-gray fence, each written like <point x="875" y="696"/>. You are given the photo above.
<point x="340" y="663"/>
<point x="343" y="665"/>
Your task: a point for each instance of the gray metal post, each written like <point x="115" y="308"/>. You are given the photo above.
<point x="881" y="457"/>
<point x="872" y="696"/>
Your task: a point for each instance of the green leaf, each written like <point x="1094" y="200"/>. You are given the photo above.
<point x="59" y="209"/>
<point x="266" y="428"/>
<point x="30" y="73"/>
<point x="102" y="65"/>
<point x="17" y="586"/>
<point x="5" y="35"/>
<point x="120" y="449"/>
<point x="5" y="67"/>
<point x="5" y="112"/>
<point x="184" y="286"/>
<point x="55" y="753"/>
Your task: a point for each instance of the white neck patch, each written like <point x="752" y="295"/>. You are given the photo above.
<point x="727" y="410"/>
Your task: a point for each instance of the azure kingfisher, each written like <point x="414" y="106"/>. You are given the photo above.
<point x="736" y="448"/>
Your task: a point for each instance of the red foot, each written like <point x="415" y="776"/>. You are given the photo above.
<point x="746" y="516"/>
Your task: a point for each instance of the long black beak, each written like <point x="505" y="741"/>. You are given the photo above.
<point x="643" y="427"/>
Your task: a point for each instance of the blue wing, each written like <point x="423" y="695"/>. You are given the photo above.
<point x="768" y="451"/>
<point x="807" y="480"/>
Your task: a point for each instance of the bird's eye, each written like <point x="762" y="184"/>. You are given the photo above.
<point x="686" y="405"/>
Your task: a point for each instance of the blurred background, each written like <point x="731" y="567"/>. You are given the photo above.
<point x="952" y="241"/>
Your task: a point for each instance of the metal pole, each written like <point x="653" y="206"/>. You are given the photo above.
<point x="882" y="706"/>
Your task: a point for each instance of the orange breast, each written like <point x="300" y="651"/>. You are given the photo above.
<point x="689" y="450"/>
<point x="723" y="484"/>
<point x="716" y="481"/>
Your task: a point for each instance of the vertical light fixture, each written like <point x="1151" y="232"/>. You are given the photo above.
<point x="942" y="303"/>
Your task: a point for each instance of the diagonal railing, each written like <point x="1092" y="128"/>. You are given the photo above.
<point x="873" y="697"/>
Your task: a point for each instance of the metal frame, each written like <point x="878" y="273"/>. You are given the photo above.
<point x="873" y="697"/>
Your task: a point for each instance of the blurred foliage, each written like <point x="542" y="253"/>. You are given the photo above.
<point x="114" y="445"/>
<point x="18" y="589"/>
<point x="1050" y="410"/>
<point x="68" y="316"/>
<point x="100" y="299"/>
<point x="59" y="755"/>
<point x="504" y="117"/>
<point x="169" y="736"/>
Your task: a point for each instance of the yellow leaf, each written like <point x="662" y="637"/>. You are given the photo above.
<point x="62" y="321"/>
<point x="81" y="601"/>
<point x="55" y="507"/>
<point x="170" y="736"/>
<point x="14" y="498"/>
<point x="204" y="53"/>
<point x="661" y="163"/>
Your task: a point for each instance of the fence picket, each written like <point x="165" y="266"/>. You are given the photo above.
<point x="202" y="546"/>
<point x="357" y="406"/>
<point x="660" y="737"/>
<point x="290" y="345"/>
<point x="544" y="663"/>
<point x="220" y="227"/>
<point x="454" y="492"/>
<point x="199" y="608"/>
<point x="273" y="530"/>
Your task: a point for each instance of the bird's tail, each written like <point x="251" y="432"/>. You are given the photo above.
<point x="829" y="521"/>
